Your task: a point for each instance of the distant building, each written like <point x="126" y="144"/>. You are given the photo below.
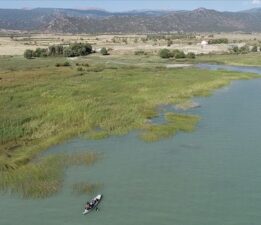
<point x="203" y="43"/>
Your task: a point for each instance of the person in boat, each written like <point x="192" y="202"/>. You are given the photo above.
<point x="93" y="203"/>
<point x="88" y="205"/>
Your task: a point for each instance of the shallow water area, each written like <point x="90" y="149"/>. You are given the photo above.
<point x="244" y="69"/>
<point x="208" y="177"/>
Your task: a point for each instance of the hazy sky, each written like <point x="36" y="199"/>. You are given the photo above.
<point x="126" y="5"/>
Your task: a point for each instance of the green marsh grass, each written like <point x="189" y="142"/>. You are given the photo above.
<point x="43" y="177"/>
<point x="44" y="104"/>
<point x="174" y="123"/>
<point x="97" y="135"/>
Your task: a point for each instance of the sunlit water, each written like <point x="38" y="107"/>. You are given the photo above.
<point x="209" y="177"/>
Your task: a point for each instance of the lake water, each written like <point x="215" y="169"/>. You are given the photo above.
<point x="246" y="69"/>
<point x="209" y="177"/>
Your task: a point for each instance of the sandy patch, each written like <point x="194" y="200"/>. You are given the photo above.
<point x="178" y="65"/>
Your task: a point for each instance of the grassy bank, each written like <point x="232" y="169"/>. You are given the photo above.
<point x="44" y="104"/>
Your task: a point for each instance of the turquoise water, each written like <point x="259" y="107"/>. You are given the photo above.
<point x="209" y="177"/>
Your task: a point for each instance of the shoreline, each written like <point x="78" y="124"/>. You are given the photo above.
<point x="131" y="113"/>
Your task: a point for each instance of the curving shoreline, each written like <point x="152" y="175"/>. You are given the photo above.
<point x="114" y="104"/>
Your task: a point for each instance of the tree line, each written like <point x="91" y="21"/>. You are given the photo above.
<point x="244" y="49"/>
<point x="177" y="54"/>
<point x="73" y="50"/>
<point x="218" y="41"/>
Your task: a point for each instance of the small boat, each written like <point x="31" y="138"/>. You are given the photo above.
<point x="93" y="204"/>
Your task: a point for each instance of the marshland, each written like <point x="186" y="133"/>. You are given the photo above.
<point x="125" y="124"/>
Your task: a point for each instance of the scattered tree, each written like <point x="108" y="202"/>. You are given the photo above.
<point x="165" y="53"/>
<point x="178" y="54"/>
<point x="254" y="48"/>
<point x="169" y="43"/>
<point x="191" y="55"/>
<point x="66" y="64"/>
<point x="104" y="51"/>
<point x="244" y="49"/>
<point x="40" y="52"/>
<point x="218" y="41"/>
<point x="235" y="50"/>
<point x="28" y="54"/>
<point x="77" y="49"/>
<point x="125" y="40"/>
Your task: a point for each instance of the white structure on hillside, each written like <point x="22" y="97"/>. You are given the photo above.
<point x="203" y="43"/>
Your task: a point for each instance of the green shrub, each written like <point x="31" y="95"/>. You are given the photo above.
<point x="140" y="52"/>
<point x="244" y="49"/>
<point x="66" y="64"/>
<point x="235" y="49"/>
<point x="165" y="53"/>
<point x="82" y="64"/>
<point x="86" y="64"/>
<point x="179" y="55"/>
<point x="28" y="54"/>
<point x="191" y="55"/>
<point x="218" y="41"/>
<point x="55" y="50"/>
<point x="67" y="52"/>
<point x="169" y="43"/>
<point x="254" y="48"/>
<point x="77" y="49"/>
<point x="40" y="52"/>
<point x="63" y="64"/>
<point x="104" y="51"/>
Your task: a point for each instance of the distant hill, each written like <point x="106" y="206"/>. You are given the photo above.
<point x="99" y="21"/>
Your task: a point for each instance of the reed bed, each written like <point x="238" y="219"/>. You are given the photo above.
<point x="174" y="123"/>
<point x="97" y="135"/>
<point x="44" y="177"/>
<point x="45" y="104"/>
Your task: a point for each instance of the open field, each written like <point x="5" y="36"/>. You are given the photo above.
<point x="122" y="44"/>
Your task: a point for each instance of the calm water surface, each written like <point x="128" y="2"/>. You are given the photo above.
<point x="209" y="177"/>
<point x="247" y="69"/>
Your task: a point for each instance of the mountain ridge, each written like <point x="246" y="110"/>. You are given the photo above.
<point x="58" y="20"/>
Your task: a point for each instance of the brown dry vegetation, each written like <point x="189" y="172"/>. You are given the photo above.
<point x="118" y="44"/>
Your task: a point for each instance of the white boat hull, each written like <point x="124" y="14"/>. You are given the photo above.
<point x="98" y="197"/>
